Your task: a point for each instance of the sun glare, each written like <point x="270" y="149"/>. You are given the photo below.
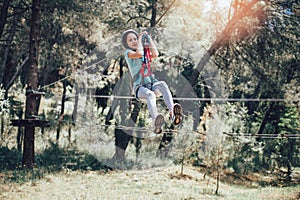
<point x="208" y="5"/>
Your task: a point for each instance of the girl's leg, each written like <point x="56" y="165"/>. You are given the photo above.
<point x="158" y="119"/>
<point x="144" y="93"/>
<point x="163" y="88"/>
<point x="175" y="109"/>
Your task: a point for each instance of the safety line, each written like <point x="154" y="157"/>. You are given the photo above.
<point x="233" y="135"/>
<point x="112" y="97"/>
<point x="169" y="7"/>
<point x="80" y="70"/>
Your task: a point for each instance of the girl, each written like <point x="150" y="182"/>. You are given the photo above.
<point x="140" y="49"/>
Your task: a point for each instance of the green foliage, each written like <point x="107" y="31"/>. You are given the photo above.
<point x="121" y="15"/>
<point x="67" y="27"/>
<point x="286" y="151"/>
<point x="289" y="121"/>
<point x="10" y="159"/>
<point x="55" y="158"/>
<point x="244" y="158"/>
<point x="256" y="65"/>
<point x="238" y="148"/>
<point x="281" y="149"/>
<point x="66" y="31"/>
<point x="4" y="104"/>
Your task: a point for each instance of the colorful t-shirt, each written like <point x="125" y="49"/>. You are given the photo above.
<point x="135" y="65"/>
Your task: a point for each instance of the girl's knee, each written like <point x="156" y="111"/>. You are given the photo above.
<point x="150" y="95"/>
<point x="164" y="84"/>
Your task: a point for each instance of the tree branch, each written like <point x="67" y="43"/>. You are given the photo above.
<point x="11" y="82"/>
<point x="221" y="41"/>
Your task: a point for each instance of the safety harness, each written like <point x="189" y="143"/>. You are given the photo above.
<point x="146" y="59"/>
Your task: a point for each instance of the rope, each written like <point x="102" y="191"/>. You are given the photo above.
<point x="112" y="97"/>
<point x="60" y="80"/>
<point x="167" y="130"/>
<point x="233" y="135"/>
<point x="271" y="136"/>
<point x="164" y="13"/>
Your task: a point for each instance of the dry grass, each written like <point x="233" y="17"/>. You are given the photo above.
<point x="153" y="183"/>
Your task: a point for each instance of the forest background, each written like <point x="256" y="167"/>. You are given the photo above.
<point x="233" y="65"/>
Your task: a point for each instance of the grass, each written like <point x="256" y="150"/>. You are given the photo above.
<point x="154" y="183"/>
<point x="69" y="173"/>
<point x="53" y="159"/>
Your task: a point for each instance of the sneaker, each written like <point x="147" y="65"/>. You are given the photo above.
<point x="159" y="121"/>
<point x="176" y="115"/>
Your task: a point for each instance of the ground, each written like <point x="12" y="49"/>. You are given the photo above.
<point x="153" y="183"/>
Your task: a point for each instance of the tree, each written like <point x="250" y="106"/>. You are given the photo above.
<point x="53" y="37"/>
<point x="287" y="149"/>
<point x="3" y="14"/>
<point x="222" y="40"/>
<point x="256" y="66"/>
<point x="31" y="99"/>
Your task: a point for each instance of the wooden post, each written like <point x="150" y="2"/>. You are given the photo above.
<point x="28" y="152"/>
<point x="32" y="82"/>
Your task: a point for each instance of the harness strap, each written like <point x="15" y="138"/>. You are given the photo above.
<point x="146" y="62"/>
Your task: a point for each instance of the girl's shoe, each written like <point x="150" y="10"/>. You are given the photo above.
<point x="176" y="114"/>
<point x="159" y="121"/>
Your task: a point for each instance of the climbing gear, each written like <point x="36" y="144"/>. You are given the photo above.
<point x="159" y="121"/>
<point x="146" y="58"/>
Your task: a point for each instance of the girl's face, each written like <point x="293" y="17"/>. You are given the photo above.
<point x="132" y="41"/>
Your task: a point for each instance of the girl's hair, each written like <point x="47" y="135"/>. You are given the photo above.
<point x="124" y="37"/>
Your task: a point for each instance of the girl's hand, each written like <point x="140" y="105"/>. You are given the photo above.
<point x="143" y="33"/>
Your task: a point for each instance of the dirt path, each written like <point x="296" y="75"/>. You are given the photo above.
<point x="155" y="183"/>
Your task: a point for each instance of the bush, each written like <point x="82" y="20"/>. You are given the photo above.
<point x="56" y="158"/>
<point x="10" y="159"/>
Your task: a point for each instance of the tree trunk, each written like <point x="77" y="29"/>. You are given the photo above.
<point x="31" y="100"/>
<point x="20" y="135"/>
<point x="62" y="110"/>
<point x="75" y="109"/>
<point x="3" y="15"/>
<point x="16" y="74"/>
<point x="219" y="168"/>
<point x="153" y="16"/>
<point x="4" y="68"/>
<point x="2" y="127"/>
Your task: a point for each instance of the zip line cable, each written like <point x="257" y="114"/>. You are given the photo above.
<point x="167" y="10"/>
<point x="112" y="97"/>
<point x="60" y="80"/>
<point x="233" y="135"/>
